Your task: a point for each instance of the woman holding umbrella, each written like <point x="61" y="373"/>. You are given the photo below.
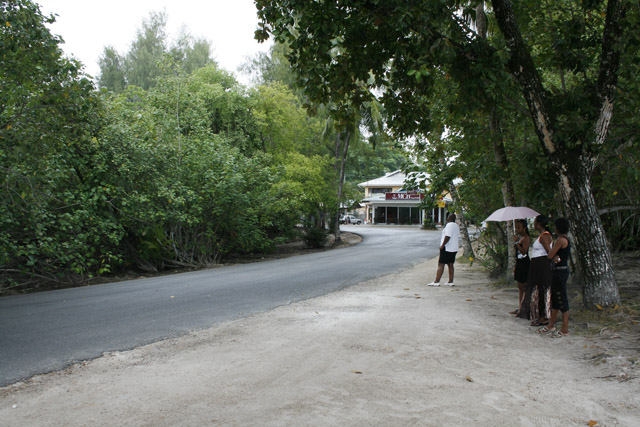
<point x="522" y="241"/>
<point x="539" y="280"/>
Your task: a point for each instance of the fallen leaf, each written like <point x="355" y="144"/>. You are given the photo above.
<point x="418" y="297"/>
<point x="172" y="296"/>
<point x="593" y="423"/>
<point x="357" y="372"/>
<point x="492" y="297"/>
<point x="469" y="379"/>
<point x="406" y="289"/>
<point x="599" y="307"/>
<point x="469" y="300"/>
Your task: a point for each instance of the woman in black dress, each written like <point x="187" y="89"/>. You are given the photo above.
<point x="521" y="271"/>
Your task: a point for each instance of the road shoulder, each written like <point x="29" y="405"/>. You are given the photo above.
<point x="390" y="351"/>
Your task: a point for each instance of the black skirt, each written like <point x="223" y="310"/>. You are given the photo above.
<point x="522" y="270"/>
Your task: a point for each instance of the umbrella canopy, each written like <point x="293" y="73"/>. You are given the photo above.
<point x="512" y="212"/>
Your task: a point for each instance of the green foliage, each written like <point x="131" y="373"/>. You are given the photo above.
<point x="192" y="53"/>
<point x="494" y="250"/>
<point x="180" y="169"/>
<point x="437" y="74"/>
<point x="112" y="70"/>
<point x="228" y="109"/>
<point x="428" y="225"/>
<point x="146" y="61"/>
<point x="282" y="124"/>
<point x="182" y="174"/>
<point x="315" y="237"/>
<point x="54" y="217"/>
<point x="143" y="59"/>
<point x="272" y="67"/>
<point x="616" y="179"/>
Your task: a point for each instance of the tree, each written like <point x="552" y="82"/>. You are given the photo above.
<point x="271" y="67"/>
<point x="191" y="52"/>
<point x="145" y="56"/>
<point x="282" y="124"/>
<point x="112" y="74"/>
<point x="150" y="57"/>
<point x="341" y="130"/>
<point x="572" y="138"/>
<point x="403" y="47"/>
<point x="54" y="216"/>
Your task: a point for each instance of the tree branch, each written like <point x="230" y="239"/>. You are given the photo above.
<point x="605" y="211"/>
<point x="522" y="67"/>
<point x="609" y="65"/>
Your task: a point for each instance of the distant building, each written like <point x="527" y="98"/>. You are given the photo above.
<point x="386" y="201"/>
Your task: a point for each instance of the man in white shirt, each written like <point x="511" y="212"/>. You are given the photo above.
<point x="448" y="250"/>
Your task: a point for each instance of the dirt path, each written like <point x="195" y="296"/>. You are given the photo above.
<point x="388" y="352"/>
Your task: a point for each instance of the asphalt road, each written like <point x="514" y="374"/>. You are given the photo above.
<point x="48" y="331"/>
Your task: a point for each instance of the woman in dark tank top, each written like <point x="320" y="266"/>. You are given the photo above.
<point x="559" y="255"/>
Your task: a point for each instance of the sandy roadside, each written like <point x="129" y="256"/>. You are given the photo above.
<point x="388" y="352"/>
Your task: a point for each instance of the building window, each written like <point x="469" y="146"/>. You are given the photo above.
<point x="379" y="190"/>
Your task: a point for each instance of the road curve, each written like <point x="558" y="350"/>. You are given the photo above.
<point x="45" y="332"/>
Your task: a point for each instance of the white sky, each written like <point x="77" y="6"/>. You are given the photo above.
<point x="87" y="26"/>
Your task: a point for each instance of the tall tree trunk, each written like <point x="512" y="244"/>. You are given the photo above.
<point x="508" y="193"/>
<point x="500" y="154"/>
<point x="464" y="231"/>
<point x="591" y="245"/>
<point x="467" y="249"/>
<point x="572" y="169"/>
<point x="341" y="160"/>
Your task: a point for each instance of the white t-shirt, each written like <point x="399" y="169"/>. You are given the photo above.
<point x="453" y="231"/>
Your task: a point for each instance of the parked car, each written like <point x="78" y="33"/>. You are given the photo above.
<point x="350" y="219"/>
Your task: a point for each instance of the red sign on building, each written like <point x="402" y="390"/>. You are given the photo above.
<point x="404" y="196"/>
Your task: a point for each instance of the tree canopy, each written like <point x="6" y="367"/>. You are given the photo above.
<point x="184" y="168"/>
<point x="557" y="62"/>
<point x="152" y="56"/>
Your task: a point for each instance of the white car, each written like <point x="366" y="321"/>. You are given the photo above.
<point x="350" y="219"/>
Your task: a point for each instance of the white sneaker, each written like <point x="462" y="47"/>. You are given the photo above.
<point x="450" y="284"/>
<point x="434" y="284"/>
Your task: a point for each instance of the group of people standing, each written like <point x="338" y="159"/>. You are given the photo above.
<point x="542" y="272"/>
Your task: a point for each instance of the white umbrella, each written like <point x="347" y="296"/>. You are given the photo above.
<point x="512" y="212"/>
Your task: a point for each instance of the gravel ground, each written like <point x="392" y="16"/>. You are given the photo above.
<point x="388" y="352"/>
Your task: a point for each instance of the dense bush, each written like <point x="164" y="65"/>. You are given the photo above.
<point x="182" y="174"/>
<point x="315" y="237"/>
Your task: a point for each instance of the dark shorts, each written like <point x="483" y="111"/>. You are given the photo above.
<point x="447" y="257"/>
<point x="559" y="298"/>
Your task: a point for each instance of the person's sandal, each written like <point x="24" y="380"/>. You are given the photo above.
<point x="537" y="322"/>
<point x="545" y="330"/>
